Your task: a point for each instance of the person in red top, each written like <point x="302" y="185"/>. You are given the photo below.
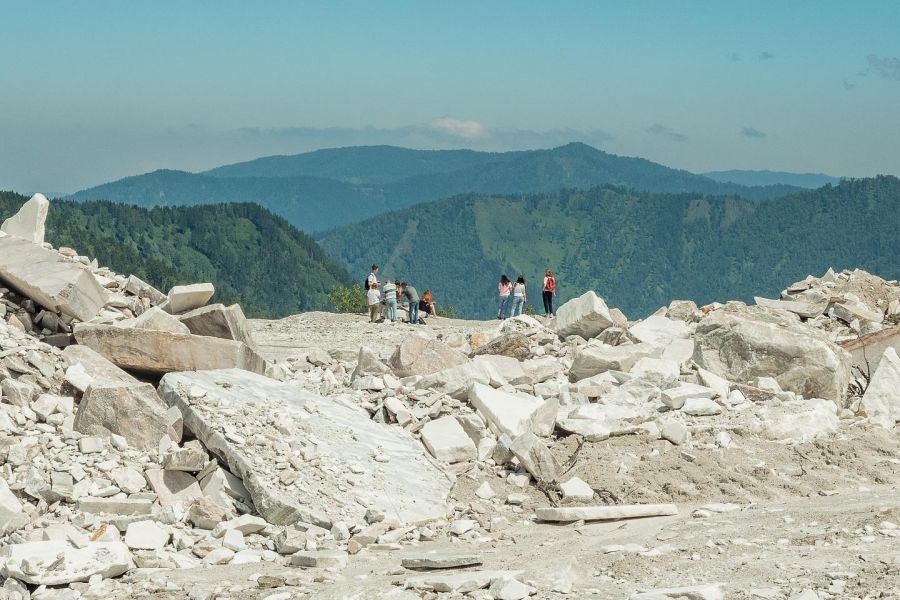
<point x="549" y="292"/>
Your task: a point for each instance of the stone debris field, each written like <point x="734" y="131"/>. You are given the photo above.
<point x="157" y="445"/>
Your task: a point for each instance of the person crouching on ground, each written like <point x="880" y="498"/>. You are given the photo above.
<point x="389" y="293"/>
<point x="427" y="304"/>
<point x="373" y="297"/>
<point x="410" y="293"/>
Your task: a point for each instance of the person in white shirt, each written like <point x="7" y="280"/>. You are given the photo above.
<point x="373" y="277"/>
<point x="518" y="296"/>
<point x="373" y="298"/>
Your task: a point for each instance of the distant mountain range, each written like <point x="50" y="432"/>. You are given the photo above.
<point x="639" y="250"/>
<point x="252" y="256"/>
<point x="325" y="189"/>
<point x="763" y="178"/>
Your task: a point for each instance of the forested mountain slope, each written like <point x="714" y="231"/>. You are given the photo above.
<point x="330" y="188"/>
<point x="638" y="250"/>
<point x="252" y="256"/>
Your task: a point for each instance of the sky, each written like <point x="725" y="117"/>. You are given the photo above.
<point x="94" y="91"/>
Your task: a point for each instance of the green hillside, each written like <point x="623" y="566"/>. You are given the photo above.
<point x="322" y="190"/>
<point x="252" y="256"/>
<point x="751" y="178"/>
<point x="357" y="164"/>
<point x="638" y="250"/>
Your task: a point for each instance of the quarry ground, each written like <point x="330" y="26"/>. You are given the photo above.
<point x="815" y="516"/>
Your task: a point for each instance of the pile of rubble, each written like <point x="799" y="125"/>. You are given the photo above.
<point x="143" y="432"/>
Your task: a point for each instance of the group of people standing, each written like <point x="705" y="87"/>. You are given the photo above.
<point x="384" y="299"/>
<point x="390" y="295"/>
<point x="514" y="295"/>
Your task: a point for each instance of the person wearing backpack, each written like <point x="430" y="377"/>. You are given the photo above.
<point x="549" y="292"/>
<point x="372" y="279"/>
<point x="519" y="296"/>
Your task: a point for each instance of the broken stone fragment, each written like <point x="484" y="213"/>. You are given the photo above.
<point x="440" y="560"/>
<point x="136" y="286"/>
<point x="535" y="457"/>
<point x="576" y="490"/>
<point x="183" y="298"/>
<point x="513" y="414"/>
<point x="133" y="411"/>
<point x="59" y="286"/>
<point x="116" y="506"/>
<point x="743" y="345"/>
<point x="418" y="355"/>
<point x="321" y="559"/>
<point x="191" y="458"/>
<point x="28" y="223"/>
<point x="246" y="524"/>
<point x="570" y="514"/>
<point x="881" y="401"/>
<point x="206" y="514"/>
<point x="159" y="320"/>
<point x="596" y="358"/>
<point x="159" y="352"/>
<point x="514" y="345"/>
<point x="174" y="487"/>
<point x="146" y="535"/>
<point x="461" y="583"/>
<point x="447" y="440"/>
<point x="11" y="514"/>
<point x="58" y="563"/>
<point x="586" y="316"/>
<point x="219" y="321"/>
<point x="715" y="591"/>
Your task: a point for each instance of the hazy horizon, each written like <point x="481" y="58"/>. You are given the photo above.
<point x="94" y="92"/>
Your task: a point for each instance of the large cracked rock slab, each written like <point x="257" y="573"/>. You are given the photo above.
<point x="42" y="275"/>
<point x="742" y="346"/>
<point x="28" y="223"/>
<point x="344" y="461"/>
<point x="158" y="352"/>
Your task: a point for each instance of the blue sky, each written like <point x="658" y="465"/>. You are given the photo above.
<point x="94" y="91"/>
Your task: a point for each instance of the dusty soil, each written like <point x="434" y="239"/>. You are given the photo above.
<point x="821" y="515"/>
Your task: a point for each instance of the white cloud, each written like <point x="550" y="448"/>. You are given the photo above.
<point x="458" y="127"/>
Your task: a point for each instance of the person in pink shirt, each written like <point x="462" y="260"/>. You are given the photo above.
<point x="505" y="289"/>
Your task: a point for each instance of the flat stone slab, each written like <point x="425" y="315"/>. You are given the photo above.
<point x="321" y="559"/>
<point x="45" y="277"/>
<point x="95" y="366"/>
<point x="158" y="352"/>
<point x="711" y="591"/>
<point x="188" y="297"/>
<point x="806" y="310"/>
<point x="334" y="442"/>
<point x="115" y="506"/>
<point x="59" y="563"/>
<point x="570" y="514"/>
<point x="460" y="582"/>
<point x="439" y="560"/>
